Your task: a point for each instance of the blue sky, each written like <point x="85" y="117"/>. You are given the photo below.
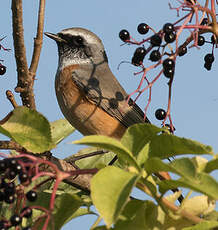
<point x="195" y="95"/>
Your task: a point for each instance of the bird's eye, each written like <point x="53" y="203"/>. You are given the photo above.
<point x="79" y="40"/>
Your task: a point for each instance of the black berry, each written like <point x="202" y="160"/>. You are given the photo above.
<point x="170" y="37"/>
<point x="204" y="21"/>
<point x="138" y="56"/>
<point x="23" y="177"/>
<point x="143" y="28"/>
<point x="207" y="66"/>
<point x="160" y="114"/>
<point x="182" y="50"/>
<point x="27" y="212"/>
<point x="213" y="39"/>
<point x="11" y="174"/>
<point x="124" y="35"/>
<point x="156" y="40"/>
<point x="168" y="28"/>
<point x="9" y="188"/>
<point x="155" y="55"/>
<point x="168" y="63"/>
<point x="2" y="166"/>
<point x="201" y="40"/>
<point x="209" y="58"/>
<point x="31" y="196"/>
<point x="2" y="183"/>
<point x="170" y="129"/>
<point x="15" y="220"/>
<point x="190" y="1"/>
<point x="9" y="199"/>
<point x="168" y="73"/>
<point x="2" y="69"/>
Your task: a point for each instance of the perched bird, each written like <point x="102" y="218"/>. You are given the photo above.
<point x="89" y="95"/>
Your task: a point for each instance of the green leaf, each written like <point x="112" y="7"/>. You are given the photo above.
<point x="183" y="167"/>
<point x="137" y="136"/>
<point x="138" y="215"/>
<point x="110" y="190"/>
<point x="202" y="183"/>
<point x="143" y="154"/>
<point x="167" y="145"/>
<point x="211" y="166"/>
<point x="162" y="145"/>
<point x="204" y="225"/>
<point x="28" y="128"/>
<point x="145" y="215"/>
<point x="60" y="129"/>
<point x="65" y="207"/>
<point x="110" y="144"/>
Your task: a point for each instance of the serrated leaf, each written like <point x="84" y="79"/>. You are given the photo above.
<point x="137" y="136"/>
<point x="110" y="144"/>
<point x="167" y="145"/>
<point x="162" y="145"/>
<point x="110" y="190"/>
<point x="60" y="129"/>
<point x="183" y="167"/>
<point x="28" y="128"/>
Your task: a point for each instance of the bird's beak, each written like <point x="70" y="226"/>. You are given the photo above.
<point x="54" y="37"/>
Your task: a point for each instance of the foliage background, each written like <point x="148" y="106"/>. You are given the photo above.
<point x="195" y="95"/>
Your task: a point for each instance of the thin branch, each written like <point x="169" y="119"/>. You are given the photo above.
<point x="25" y="80"/>
<point x="10" y="97"/>
<point x="39" y="38"/>
<point x="10" y="145"/>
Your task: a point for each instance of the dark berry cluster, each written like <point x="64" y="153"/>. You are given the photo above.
<point x="13" y="173"/>
<point x="168" y="67"/>
<point x="169" y="33"/>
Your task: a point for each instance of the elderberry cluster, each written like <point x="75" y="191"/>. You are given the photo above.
<point x="12" y="176"/>
<point x="167" y="34"/>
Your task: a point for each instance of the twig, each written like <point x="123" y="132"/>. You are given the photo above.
<point x="39" y="38"/>
<point x="25" y="80"/>
<point x="11" y="145"/>
<point x="10" y="97"/>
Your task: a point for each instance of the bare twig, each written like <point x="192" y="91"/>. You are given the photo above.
<point x="25" y="80"/>
<point x="39" y="38"/>
<point x="10" y="145"/>
<point x="10" y="97"/>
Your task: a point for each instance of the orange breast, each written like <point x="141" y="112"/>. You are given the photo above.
<point x="84" y="115"/>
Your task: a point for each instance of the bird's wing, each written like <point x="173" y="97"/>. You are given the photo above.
<point x="103" y="89"/>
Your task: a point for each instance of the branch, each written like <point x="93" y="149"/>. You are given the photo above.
<point x="25" y="80"/>
<point x="80" y="181"/>
<point x="11" y="146"/>
<point x="39" y="38"/>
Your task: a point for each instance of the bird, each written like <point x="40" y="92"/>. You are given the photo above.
<point x="89" y="95"/>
